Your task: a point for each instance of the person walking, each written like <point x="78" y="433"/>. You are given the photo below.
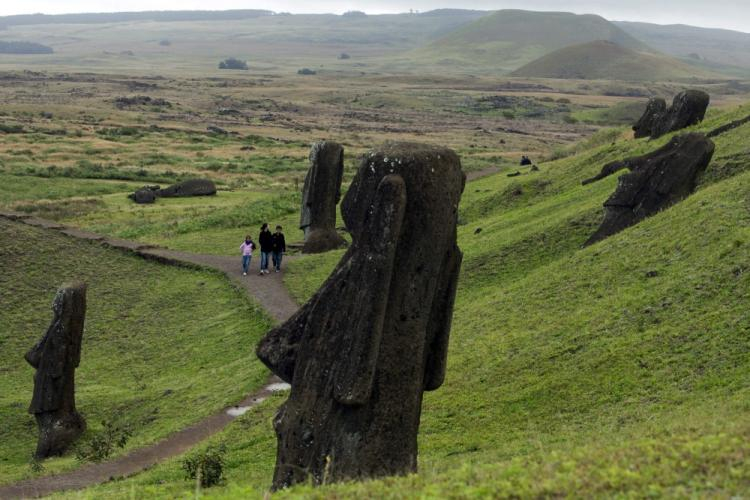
<point x="266" y="246"/>
<point x="278" y="247"/>
<point x="247" y="248"/>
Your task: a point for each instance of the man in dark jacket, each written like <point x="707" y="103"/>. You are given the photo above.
<point x="278" y="247"/>
<point x="266" y="246"/>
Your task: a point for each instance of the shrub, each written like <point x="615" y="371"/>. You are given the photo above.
<point x="233" y="63"/>
<point x="101" y="444"/>
<point x="206" y="466"/>
<point x="306" y="71"/>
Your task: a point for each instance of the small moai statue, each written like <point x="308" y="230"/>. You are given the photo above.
<point x="362" y="351"/>
<point x="320" y="195"/>
<point x="56" y="357"/>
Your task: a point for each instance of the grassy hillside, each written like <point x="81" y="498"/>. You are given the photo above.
<point x="508" y="39"/>
<point x="605" y="60"/>
<point x="163" y="347"/>
<point x="716" y="46"/>
<point x="622" y="369"/>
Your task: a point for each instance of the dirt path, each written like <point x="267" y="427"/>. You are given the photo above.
<point x="268" y="291"/>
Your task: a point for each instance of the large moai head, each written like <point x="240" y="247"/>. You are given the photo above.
<point x="55" y="357"/>
<point x="361" y="352"/>
<point x="321" y="194"/>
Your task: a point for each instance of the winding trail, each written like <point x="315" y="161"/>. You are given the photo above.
<point x="268" y="291"/>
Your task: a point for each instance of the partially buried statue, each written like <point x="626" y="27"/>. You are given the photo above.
<point x="320" y="196"/>
<point x="656" y="181"/>
<point x="361" y="352"/>
<point x="55" y="357"/>
<point x="688" y="109"/>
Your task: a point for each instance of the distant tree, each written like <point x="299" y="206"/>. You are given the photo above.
<point x="24" y="48"/>
<point x="233" y="63"/>
<point x="306" y="71"/>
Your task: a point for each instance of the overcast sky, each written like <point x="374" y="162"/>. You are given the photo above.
<point x="731" y="14"/>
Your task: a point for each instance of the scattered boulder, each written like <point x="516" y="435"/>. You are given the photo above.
<point x="143" y="196"/>
<point x="514" y="174"/>
<point x="306" y="71"/>
<point x="363" y="349"/>
<point x="344" y="56"/>
<point x="688" y="108"/>
<point x="55" y="357"/>
<point x="192" y="187"/>
<point x="217" y="130"/>
<point x="657" y="181"/>
<point x="320" y="195"/>
<point x="534" y="168"/>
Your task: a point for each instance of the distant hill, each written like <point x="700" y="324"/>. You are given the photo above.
<point x="605" y="60"/>
<point x="508" y="39"/>
<point x="704" y="45"/>
<point x="24" y="48"/>
<point x="121" y="17"/>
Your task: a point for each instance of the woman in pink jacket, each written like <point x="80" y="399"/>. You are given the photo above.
<point x="247" y="248"/>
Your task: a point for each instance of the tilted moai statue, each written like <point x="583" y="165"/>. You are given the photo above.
<point x="320" y="196"/>
<point x="56" y="357"/>
<point x="688" y="108"/>
<point x="363" y="349"/>
<point x="656" y="181"/>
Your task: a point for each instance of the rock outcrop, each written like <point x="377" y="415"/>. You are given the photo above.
<point x="688" y="108"/>
<point x="657" y="181"/>
<point x="55" y="357"/>
<point x="320" y="195"/>
<point x="363" y="349"/>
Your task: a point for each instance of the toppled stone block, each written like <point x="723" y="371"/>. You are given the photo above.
<point x="192" y="187"/>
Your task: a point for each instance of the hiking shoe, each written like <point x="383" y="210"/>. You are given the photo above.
<point x="244" y="274"/>
<point x="278" y="270"/>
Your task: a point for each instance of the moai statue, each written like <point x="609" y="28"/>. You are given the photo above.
<point x="656" y="181"/>
<point x="55" y="357"/>
<point x="320" y="196"/>
<point x="363" y="349"/>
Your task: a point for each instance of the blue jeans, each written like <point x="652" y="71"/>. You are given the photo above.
<point x="246" y="263"/>
<point x="264" y="261"/>
<point x="277" y="256"/>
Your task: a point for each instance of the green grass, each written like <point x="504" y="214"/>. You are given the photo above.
<point x="14" y="188"/>
<point x="621" y="370"/>
<point x="163" y="346"/>
<point x="209" y="224"/>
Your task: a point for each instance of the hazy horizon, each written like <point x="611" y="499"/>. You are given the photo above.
<point x="725" y="14"/>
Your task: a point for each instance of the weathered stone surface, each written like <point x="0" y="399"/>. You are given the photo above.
<point x="361" y="352"/>
<point x="55" y="357"/>
<point x="657" y="181"/>
<point x="688" y="108"/>
<point x="192" y="187"/>
<point x="320" y="196"/>
<point x="654" y="110"/>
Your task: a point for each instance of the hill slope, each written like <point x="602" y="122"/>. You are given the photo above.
<point x="621" y="369"/>
<point x="712" y="46"/>
<point x="508" y="39"/>
<point x="604" y="60"/>
<point x="158" y="341"/>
